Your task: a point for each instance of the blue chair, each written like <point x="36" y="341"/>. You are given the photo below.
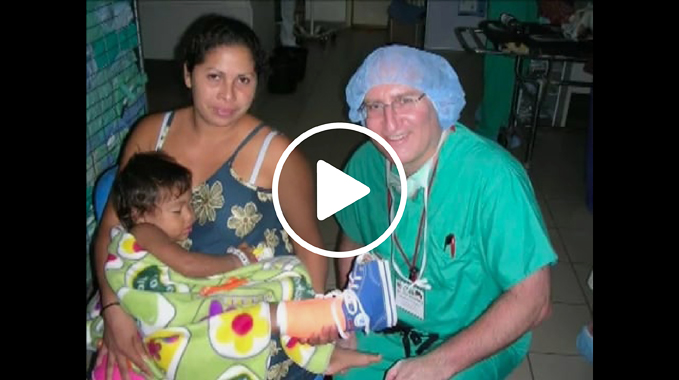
<point x="102" y="189"/>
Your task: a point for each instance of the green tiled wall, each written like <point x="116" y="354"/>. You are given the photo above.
<point x="115" y="90"/>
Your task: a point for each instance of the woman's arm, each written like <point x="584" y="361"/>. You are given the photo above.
<point x="298" y="203"/>
<point x="122" y="343"/>
<point x="140" y="140"/>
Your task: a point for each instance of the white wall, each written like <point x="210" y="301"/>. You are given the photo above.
<point x="442" y="19"/>
<point x="264" y="22"/>
<point x="326" y="10"/>
<point x="371" y="12"/>
<point x="162" y="22"/>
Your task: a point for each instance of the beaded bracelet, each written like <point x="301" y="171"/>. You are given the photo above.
<point x="241" y="256"/>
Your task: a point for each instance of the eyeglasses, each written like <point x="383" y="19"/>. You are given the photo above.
<point x="400" y="105"/>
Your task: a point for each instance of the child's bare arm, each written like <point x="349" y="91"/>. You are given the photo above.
<point x="189" y="264"/>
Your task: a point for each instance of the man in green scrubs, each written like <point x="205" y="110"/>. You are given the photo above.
<point x="478" y="281"/>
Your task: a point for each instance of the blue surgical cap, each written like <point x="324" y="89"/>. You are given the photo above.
<point x="424" y="71"/>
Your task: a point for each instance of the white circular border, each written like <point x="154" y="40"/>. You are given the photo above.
<point x="323" y="128"/>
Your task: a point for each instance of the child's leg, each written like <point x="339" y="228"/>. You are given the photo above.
<point x="292" y="309"/>
<point x="230" y="342"/>
<point x="239" y="325"/>
<point x="368" y="304"/>
<point x="306" y="318"/>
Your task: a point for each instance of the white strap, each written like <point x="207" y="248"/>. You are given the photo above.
<point x="163" y="131"/>
<point x="260" y="156"/>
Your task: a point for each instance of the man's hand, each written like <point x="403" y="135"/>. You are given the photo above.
<point x="520" y="309"/>
<point x="416" y="369"/>
<point x="343" y="360"/>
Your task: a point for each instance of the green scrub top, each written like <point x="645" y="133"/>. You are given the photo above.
<point x="480" y="195"/>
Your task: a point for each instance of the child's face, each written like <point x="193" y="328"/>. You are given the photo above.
<point x="174" y="215"/>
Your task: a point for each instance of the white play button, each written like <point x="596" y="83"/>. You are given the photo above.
<point x="335" y="190"/>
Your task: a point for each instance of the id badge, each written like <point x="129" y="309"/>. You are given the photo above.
<point x="410" y="298"/>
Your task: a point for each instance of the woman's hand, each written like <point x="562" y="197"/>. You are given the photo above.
<point x="122" y="343"/>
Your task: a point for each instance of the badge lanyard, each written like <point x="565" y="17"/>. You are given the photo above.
<point x="413" y="274"/>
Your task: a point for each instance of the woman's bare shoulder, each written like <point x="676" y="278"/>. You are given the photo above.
<point x="144" y="134"/>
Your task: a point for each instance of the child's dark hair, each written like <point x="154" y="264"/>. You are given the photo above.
<point x="213" y="30"/>
<point x="145" y="181"/>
